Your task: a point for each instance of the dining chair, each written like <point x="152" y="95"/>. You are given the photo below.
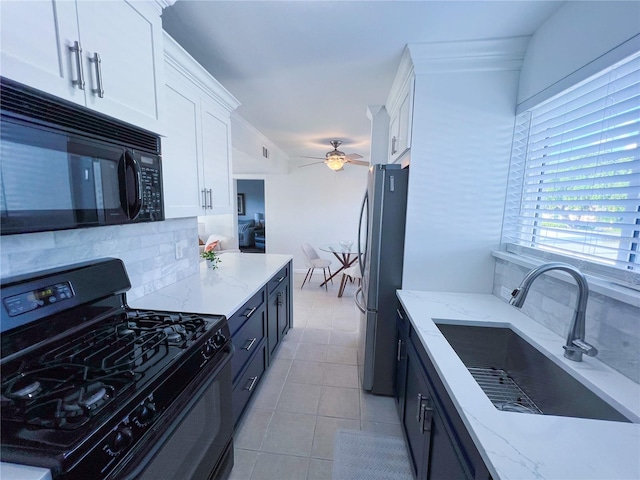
<point x="352" y="273"/>
<point x="312" y="260"/>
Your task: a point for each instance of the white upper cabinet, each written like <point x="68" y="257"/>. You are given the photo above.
<point x="104" y="55"/>
<point x="400" y="125"/>
<point x="399" y="106"/>
<point x="196" y="153"/>
<point x="181" y="154"/>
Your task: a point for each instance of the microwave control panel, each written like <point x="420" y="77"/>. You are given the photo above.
<point x="152" y="208"/>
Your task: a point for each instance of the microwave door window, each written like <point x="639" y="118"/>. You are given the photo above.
<point x="112" y="190"/>
<point x="83" y="190"/>
<point x="35" y="188"/>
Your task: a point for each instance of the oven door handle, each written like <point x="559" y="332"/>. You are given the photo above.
<point x="167" y="431"/>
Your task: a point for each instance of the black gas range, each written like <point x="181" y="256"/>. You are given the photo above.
<point x="91" y="388"/>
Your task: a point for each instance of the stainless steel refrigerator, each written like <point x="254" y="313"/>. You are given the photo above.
<point x="381" y="251"/>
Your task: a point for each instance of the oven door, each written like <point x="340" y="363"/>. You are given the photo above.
<point x="194" y="441"/>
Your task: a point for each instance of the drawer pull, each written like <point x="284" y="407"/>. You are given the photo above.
<point x="250" y="346"/>
<point x="399" y="349"/>
<point x="427" y="415"/>
<point x="421" y="398"/>
<point x="281" y="279"/>
<point x="399" y="314"/>
<point x="252" y="383"/>
<point x="251" y="311"/>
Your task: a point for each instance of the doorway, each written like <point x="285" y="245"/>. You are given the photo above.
<point x="251" y="216"/>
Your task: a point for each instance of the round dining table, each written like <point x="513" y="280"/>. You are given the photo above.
<point x="346" y="255"/>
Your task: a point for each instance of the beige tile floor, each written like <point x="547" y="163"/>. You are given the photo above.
<point x="311" y="391"/>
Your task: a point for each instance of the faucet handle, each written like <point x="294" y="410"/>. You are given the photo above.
<point x="585" y="347"/>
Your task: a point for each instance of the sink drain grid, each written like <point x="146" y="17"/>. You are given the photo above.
<point x="503" y="391"/>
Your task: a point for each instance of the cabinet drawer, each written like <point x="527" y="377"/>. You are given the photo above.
<point x="247" y="340"/>
<point x="246" y="311"/>
<point x="277" y="279"/>
<point x="248" y="382"/>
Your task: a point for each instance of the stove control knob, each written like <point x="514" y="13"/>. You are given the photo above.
<point x="208" y="349"/>
<point x="121" y="440"/>
<point x="145" y="413"/>
<point x="218" y="340"/>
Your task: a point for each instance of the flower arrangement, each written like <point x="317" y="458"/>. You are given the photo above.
<point x="210" y="255"/>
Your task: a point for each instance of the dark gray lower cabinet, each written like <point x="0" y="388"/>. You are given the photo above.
<point x="440" y="446"/>
<point x="257" y="328"/>
<point x="278" y="309"/>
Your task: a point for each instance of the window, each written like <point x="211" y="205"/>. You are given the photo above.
<point x="574" y="183"/>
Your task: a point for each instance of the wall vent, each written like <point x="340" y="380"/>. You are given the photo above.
<point x="265" y="152"/>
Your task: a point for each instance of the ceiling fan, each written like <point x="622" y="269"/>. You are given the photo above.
<point x="335" y="159"/>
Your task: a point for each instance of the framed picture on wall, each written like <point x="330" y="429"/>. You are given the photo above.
<point x="241" y="204"/>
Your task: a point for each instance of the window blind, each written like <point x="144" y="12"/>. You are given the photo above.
<point x="575" y="172"/>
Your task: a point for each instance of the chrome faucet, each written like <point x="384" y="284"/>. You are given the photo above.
<point x="575" y="345"/>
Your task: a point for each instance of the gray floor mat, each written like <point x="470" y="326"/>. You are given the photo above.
<point x="369" y="456"/>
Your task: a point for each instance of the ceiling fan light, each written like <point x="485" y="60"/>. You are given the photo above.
<point x="335" y="162"/>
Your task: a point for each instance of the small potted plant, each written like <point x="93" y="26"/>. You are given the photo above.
<point x="211" y="256"/>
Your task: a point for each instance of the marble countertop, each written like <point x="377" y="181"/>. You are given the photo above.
<point x="12" y="471"/>
<point x="524" y="446"/>
<point x="221" y="291"/>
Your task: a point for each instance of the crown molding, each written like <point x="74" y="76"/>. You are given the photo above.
<point x="501" y="54"/>
<point x="186" y="65"/>
<point x="159" y="5"/>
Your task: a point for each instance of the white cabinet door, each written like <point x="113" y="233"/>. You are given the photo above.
<point x="216" y="160"/>
<point x="128" y="39"/>
<point x="35" y="38"/>
<point x="400" y="127"/>
<point x="196" y="152"/>
<point x="181" y="157"/>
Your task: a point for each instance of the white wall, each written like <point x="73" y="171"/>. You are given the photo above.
<point x="302" y="205"/>
<point x="312" y="205"/>
<point x="577" y="35"/>
<point x="462" y="129"/>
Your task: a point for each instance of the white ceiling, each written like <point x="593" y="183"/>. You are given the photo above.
<point x="305" y="71"/>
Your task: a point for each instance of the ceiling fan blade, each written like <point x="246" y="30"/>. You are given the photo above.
<point x="317" y="158"/>
<point x="309" y="164"/>
<point x="358" y="162"/>
<point x="353" y="156"/>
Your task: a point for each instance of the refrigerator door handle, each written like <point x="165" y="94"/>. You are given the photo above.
<point x="358" y="304"/>
<point x="362" y="255"/>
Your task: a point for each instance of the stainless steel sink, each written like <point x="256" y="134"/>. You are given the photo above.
<point x="515" y="376"/>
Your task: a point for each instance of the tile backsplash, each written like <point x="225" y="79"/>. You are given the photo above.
<point x="612" y="326"/>
<point x="148" y="251"/>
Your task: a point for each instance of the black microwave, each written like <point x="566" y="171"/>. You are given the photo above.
<point x="63" y="166"/>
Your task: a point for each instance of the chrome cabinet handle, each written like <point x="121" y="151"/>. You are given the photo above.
<point x="204" y="198"/>
<point x="250" y="312"/>
<point x="280" y="302"/>
<point x="399" y="313"/>
<point x="252" y="383"/>
<point x="399" y="348"/>
<point x="96" y="59"/>
<point x="250" y="346"/>
<point x="210" y="191"/>
<point x="394" y="140"/>
<point x="419" y="409"/>
<point x="427" y="416"/>
<point x="77" y="49"/>
<point x="281" y="279"/>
